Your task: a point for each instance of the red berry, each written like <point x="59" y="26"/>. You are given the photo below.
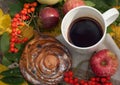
<point x="93" y="83"/>
<point x="70" y="73"/>
<point x="71" y="81"/>
<point x="25" y="9"/>
<point x="17" y="15"/>
<point x="108" y="78"/>
<point x="13" y="34"/>
<point x="21" y="23"/>
<point x="26" y="5"/>
<point x="66" y="79"/>
<point x="70" y="77"/>
<point x="12" y="49"/>
<point x="103" y="80"/>
<point x="82" y="81"/>
<point x="13" y="30"/>
<point x="97" y="79"/>
<point x="14" y="25"/>
<point x="12" y="45"/>
<point x="19" y="31"/>
<point x="34" y="4"/>
<point x="66" y="74"/>
<point x="17" y="41"/>
<point x="23" y="17"/>
<point x="85" y="83"/>
<point x="93" y="79"/>
<point x="98" y="84"/>
<point x="76" y="84"/>
<point x="32" y="9"/>
<point x="25" y="39"/>
<point x="75" y="80"/>
<point x="12" y="39"/>
<point x="27" y="17"/>
<point x="15" y="50"/>
<point x="29" y="11"/>
<point x="23" y="12"/>
<point x="14" y="19"/>
<point x="108" y="83"/>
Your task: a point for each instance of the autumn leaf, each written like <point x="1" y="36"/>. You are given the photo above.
<point x="26" y="31"/>
<point x="5" y="22"/>
<point x="115" y="34"/>
<point x="117" y="7"/>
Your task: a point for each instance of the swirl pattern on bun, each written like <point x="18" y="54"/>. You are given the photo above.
<point x="44" y="61"/>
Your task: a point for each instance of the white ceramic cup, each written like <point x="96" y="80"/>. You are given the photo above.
<point x="104" y="20"/>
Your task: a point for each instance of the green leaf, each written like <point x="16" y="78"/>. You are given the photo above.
<point x="4" y="42"/>
<point x="109" y="29"/>
<point x="111" y="3"/>
<point x="12" y="72"/>
<point x="12" y="80"/>
<point x="5" y="61"/>
<point x="27" y="1"/>
<point x="18" y="46"/>
<point x="15" y="7"/>
<point x="101" y="5"/>
<point x="13" y="57"/>
<point x="89" y="3"/>
<point x="30" y="0"/>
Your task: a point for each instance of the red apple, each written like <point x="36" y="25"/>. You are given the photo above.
<point x="70" y="4"/>
<point x="49" y="17"/>
<point x="104" y="63"/>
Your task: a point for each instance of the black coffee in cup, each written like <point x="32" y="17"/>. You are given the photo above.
<point x="85" y="32"/>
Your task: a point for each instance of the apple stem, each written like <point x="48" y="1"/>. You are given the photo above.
<point x="104" y="63"/>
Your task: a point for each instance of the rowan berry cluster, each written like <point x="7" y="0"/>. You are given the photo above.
<point x="18" y="20"/>
<point x="70" y="79"/>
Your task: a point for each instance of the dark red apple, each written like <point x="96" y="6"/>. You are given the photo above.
<point x="70" y="4"/>
<point x="49" y="17"/>
<point x="104" y="63"/>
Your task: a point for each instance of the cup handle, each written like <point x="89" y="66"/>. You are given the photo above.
<point x="110" y="16"/>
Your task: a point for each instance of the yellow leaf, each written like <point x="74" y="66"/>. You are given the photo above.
<point x="8" y="30"/>
<point x="117" y="7"/>
<point x="26" y="31"/>
<point x="5" y="21"/>
<point x="1" y="13"/>
<point x="1" y="33"/>
<point x="2" y="68"/>
<point x="116" y="34"/>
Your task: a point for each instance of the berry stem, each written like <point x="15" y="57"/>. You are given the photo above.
<point x="32" y="16"/>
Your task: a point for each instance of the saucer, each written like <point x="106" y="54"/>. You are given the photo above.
<point x="107" y="44"/>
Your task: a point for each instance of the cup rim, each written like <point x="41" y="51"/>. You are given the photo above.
<point x="89" y="47"/>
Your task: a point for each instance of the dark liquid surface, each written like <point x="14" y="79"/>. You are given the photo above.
<point x="85" y="32"/>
